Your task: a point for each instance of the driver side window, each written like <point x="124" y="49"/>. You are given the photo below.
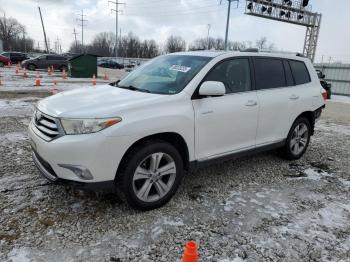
<point x="234" y="74"/>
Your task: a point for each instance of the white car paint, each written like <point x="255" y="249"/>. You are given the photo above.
<point x="211" y="127"/>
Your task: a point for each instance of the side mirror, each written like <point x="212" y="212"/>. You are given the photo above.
<point x="212" y="88"/>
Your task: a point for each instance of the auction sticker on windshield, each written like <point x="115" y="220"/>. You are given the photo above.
<point x="180" y="68"/>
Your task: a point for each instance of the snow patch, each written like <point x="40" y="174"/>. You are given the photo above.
<point x="314" y="174"/>
<point x="14" y="137"/>
<point x="19" y="255"/>
<point x="156" y="231"/>
<point x="236" y="259"/>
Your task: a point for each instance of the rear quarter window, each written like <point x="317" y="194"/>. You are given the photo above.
<point x="300" y="73"/>
<point x="269" y="73"/>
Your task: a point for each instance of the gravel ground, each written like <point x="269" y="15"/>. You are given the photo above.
<point x="259" y="208"/>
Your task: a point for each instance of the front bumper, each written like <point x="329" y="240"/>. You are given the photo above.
<point x="99" y="154"/>
<point x="106" y="186"/>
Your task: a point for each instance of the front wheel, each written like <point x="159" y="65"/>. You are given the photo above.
<point x="150" y="174"/>
<point x="298" y="139"/>
<point x="31" y="67"/>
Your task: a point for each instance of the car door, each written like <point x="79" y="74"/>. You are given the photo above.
<point x="52" y="61"/>
<point x="42" y="62"/>
<point x="226" y="124"/>
<point x="302" y="93"/>
<point x="274" y="93"/>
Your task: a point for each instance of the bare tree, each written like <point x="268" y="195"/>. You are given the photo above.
<point x="263" y="44"/>
<point x="175" y="44"/>
<point x="216" y="44"/>
<point x="103" y="44"/>
<point x="76" y="48"/>
<point x="14" y="36"/>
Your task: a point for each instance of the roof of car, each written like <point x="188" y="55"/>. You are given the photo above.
<point x="206" y="53"/>
<point x="215" y="53"/>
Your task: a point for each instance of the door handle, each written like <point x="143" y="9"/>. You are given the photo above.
<point x="294" y="97"/>
<point x="251" y="103"/>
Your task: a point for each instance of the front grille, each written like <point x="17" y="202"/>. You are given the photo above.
<point x="47" y="126"/>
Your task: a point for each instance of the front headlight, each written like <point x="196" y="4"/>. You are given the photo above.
<point x="86" y="126"/>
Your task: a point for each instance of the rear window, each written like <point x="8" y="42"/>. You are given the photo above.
<point x="300" y="72"/>
<point x="269" y="73"/>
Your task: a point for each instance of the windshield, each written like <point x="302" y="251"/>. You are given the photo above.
<point x="165" y="74"/>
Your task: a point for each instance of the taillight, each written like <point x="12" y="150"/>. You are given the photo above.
<point x="324" y="94"/>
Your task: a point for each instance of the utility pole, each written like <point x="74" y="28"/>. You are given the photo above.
<point x="116" y="10"/>
<point x="75" y="39"/>
<point x="82" y="20"/>
<point x="42" y="23"/>
<point x="228" y="20"/>
<point x="208" y="36"/>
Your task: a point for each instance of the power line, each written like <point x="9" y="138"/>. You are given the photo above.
<point x="228" y="19"/>
<point x="42" y="23"/>
<point x="82" y="20"/>
<point x="116" y="10"/>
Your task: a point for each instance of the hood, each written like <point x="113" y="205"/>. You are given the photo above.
<point x="99" y="102"/>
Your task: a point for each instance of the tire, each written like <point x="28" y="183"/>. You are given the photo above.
<point x="298" y="139"/>
<point x="143" y="188"/>
<point x="31" y="67"/>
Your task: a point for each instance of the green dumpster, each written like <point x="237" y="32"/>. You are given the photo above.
<point x="83" y="65"/>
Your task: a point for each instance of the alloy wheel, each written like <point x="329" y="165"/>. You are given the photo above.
<point x="154" y="177"/>
<point x="299" y="138"/>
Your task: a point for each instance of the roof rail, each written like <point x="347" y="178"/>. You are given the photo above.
<point x="252" y="50"/>
<point x="301" y="55"/>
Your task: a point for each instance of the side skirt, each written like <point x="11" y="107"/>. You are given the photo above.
<point x="194" y="165"/>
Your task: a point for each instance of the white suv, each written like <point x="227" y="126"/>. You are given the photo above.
<point x="176" y="112"/>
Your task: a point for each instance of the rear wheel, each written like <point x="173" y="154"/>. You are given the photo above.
<point x="298" y="139"/>
<point x="150" y="175"/>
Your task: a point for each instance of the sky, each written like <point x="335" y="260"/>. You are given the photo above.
<point x="157" y="19"/>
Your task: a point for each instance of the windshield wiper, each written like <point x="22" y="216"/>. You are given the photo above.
<point x="135" y="88"/>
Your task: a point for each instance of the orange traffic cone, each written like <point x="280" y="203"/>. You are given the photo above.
<point x="1" y="83"/>
<point x="49" y="71"/>
<point x="37" y="82"/>
<point x="17" y="71"/>
<point x="94" y="80"/>
<point x="105" y="76"/>
<point x="9" y="64"/>
<point x="52" y="70"/>
<point x="191" y="252"/>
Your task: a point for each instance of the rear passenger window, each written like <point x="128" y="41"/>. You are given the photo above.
<point x="300" y="73"/>
<point x="269" y="73"/>
<point x="234" y="74"/>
